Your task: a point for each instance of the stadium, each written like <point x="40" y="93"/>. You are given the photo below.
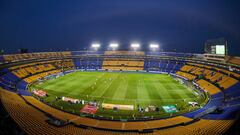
<point x="119" y="92"/>
<point x="119" y="67"/>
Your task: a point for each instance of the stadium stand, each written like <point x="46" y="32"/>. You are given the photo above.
<point x="105" y="124"/>
<point x="233" y="91"/>
<point x="31" y="70"/>
<point x="1" y="59"/>
<point x="223" y="79"/>
<point x="33" y="121"/>
<point x="29" y="56"/>
<point x="8" y="80"/>
<point x="31" y="114"/>
<point x="172" y="54"/>
<point x="169" y="66"/>
<point x="41" y="75"/>
<point x="88" y="63"/>
<point x="210" y="88"/>
<point x="234" y="60"/>
<point x="136" y="53"/>
<point x="190" y="77"/>
<point x="81" y="53"/>
<point x="66" y="64"/>
<point x="122" y="64"/>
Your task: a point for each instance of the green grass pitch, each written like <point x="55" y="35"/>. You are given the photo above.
<point x="128" y="88"/>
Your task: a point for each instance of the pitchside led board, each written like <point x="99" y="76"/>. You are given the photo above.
<point x="170" y="108"/>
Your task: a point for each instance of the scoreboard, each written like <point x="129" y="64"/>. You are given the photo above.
<point x="216" y="46"/>
<point x="220" y="49"/>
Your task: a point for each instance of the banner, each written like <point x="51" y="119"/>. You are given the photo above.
<point x="193" y="103"/>
<point x="40" y="93"/>
<point x="70" y="100"/>
<point x="120" y="107"/>
<point x="89" y="109"/>
<point x="170" y="108"/>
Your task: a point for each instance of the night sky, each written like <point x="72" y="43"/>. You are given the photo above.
<point x="184" y="25"/>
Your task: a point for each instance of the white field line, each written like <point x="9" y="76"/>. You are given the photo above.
<point x="107" y="87"/>
<point x="121" y="99"/>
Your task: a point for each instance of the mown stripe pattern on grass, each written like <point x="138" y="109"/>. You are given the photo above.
<point x="119" y="87"/>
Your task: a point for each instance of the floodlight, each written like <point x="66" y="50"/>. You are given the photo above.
<point x="154" y="46"/>
<point x="96" y="45"/>
<point x="135" y="45"/>
<point x="113" y="45"/>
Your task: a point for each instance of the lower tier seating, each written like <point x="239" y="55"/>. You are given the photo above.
<point x="190" y="77"/>
<point x="33" y="121"/>
<point x="37" y="76"/>
<point x="210" y="88"/>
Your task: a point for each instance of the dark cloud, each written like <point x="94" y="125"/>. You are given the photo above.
<point x="184" y="25"/>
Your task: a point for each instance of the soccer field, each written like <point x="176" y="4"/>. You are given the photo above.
<point x="128" y="88"/>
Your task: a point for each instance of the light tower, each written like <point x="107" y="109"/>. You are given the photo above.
<point x="154" y="46"/>
<point x="95" y="46"/>
<point x="135" y="46"/>
<point x="113" y="46"/>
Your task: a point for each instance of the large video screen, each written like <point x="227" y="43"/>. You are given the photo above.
<point x="220" y="49"/>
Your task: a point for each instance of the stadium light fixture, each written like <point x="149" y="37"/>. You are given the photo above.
<point x="154" y="46"/>
<point x="113" y="45"/>
<point x="135" y="45"/>
<point x="96" y="45"/>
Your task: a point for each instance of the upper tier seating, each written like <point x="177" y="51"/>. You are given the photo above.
<point x="171" y="54"/>
<point x="205" y="67"/>
<point x="217" y="77"/>
<point x="124" y="53"/>
<point x="23" y="72"/>
<point x="122" y="64"/>
<point x="66" y="64"/>
<point x="26" y="56"/>
<point x="234" y="60"/>
<point x="88" y="63"/>
<point x="26" y="70"/>
<point x="41" y="75"/>
<point x="170" y="66"/>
